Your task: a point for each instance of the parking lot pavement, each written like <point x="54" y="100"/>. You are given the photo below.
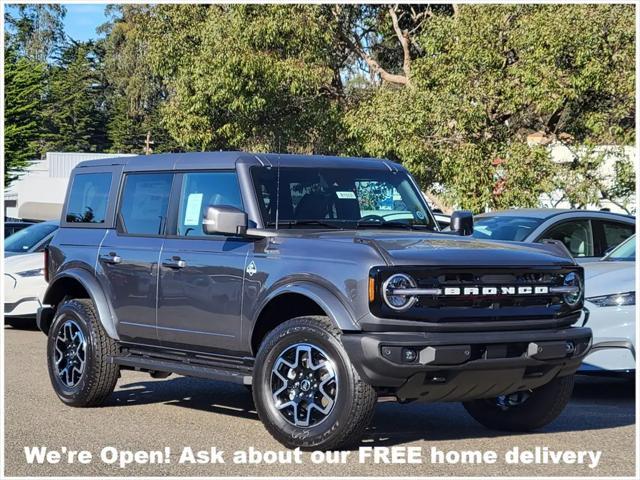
<point x="148" y="414"/>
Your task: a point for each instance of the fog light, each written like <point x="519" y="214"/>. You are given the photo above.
<point x="409" y="355"/>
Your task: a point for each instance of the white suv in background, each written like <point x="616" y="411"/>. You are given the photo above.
<point x="610" y="297"/>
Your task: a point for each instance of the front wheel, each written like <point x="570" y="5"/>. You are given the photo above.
<point x="526" y="410"/>
<point x="305" y="389"/>
<point x="77" y="355"/>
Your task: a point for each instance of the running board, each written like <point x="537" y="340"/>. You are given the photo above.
<point x="186" y="368"/>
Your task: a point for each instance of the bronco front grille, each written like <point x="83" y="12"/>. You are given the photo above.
<point x="472" y="303"/>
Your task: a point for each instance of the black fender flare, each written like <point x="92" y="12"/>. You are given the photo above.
<point x="327" y="300"/>
<point x="95" y="291"/>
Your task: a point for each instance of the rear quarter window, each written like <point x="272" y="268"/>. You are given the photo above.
<point x="88" y="198"/>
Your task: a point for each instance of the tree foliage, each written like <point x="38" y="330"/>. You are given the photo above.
<point x="23" y="99"/>
<point x="467" y="97"/>
<point x="75" y="114"/>
<point x="35" y="31"/>
<point x="247" y="77"/>
<point x="486" y="77"/>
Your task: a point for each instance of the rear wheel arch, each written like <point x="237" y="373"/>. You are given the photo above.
<point x="79" y="283"/>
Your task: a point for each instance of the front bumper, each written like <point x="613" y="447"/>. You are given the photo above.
<point x="465" y="366"/>
<point x="22" y="296"/>
<point x="24" y="307"/>
<point x="614" y="335"/>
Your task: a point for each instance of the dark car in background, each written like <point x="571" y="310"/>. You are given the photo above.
<point x="12" y="227"/>
<point x="588" y="235"/>
<point x="33" y="238"/>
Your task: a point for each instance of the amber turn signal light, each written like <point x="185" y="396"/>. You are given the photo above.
<point x="372" y="292"/>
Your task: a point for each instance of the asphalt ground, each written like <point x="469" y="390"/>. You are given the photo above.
<point x="146" y="414"/>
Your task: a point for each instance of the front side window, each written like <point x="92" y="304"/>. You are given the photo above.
<point x="338" y="197"/>
<point x="144" y="202"/>
<point x="89" y="198"/>
<point x="576" y="236"/>
<point x="201" y="189"/>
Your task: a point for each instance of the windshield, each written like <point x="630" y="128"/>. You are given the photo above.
<point x="498" y="227"/>
<point x="27" y="238"/>
<point x="339" y="198"/>
<point x="626" y="251"/>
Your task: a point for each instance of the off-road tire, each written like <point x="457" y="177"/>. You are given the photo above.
<point x="99" y="376"/>
<point x="541" y="408"/>
<point x="354" y="403"/>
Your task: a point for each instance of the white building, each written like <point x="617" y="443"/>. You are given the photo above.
<point x="38" y="194"/>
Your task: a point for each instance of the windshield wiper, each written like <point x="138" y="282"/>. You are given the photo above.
<point x="293" y="223"/>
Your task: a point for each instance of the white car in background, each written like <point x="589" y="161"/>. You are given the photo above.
<point x="24" y="283"/>
<point x="588" y="235"/>
<point x="610" y="297"/>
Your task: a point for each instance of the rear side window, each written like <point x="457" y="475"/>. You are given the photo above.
<point x="89" y="198"/>
<point x="143" y="206"/>
<point x="615" y="233"/>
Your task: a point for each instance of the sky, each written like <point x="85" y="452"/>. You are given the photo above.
<point x="82" y="19"/>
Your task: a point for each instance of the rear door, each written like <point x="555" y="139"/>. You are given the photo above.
<point x="201" y="276"/>
<point x="129" y="255"/>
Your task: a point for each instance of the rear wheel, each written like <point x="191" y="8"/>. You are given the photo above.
<point x="523" y="411"/>
<point x="77" y="355"/>
<point x="305" y="389"/>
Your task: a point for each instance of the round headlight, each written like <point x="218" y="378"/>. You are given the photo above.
<point x="573" y="280"/>
<point x="398" y="301"/>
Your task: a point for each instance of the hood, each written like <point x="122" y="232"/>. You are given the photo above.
<point x="418" y="248"/>
<point x="606" y="278"/>
<point x="23" y="262"/>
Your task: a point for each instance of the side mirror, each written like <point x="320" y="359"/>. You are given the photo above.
<point x="462" y="222"/>
<point x="225" y="220"/>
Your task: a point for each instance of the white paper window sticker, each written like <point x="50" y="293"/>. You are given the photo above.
<point x="194" y="207"/>
<point x="346" y="195"/>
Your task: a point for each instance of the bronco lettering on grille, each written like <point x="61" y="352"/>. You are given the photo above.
<point x="503" y="290"/>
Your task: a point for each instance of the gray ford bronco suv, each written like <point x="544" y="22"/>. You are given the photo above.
<point x="321" y="282"/>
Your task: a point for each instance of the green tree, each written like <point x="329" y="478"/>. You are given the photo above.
<point x="134" y="92"/>
<point x="232" y="77"/>
<point x="23" y="100"/>
<point x="75" y="115"/>
<point x="36" y="31"/>
<point x="482" y="78"/>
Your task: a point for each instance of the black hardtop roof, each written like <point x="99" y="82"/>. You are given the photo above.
<point x="176" y="161"/>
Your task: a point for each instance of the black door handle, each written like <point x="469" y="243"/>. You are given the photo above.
<point x="174" y="262"/>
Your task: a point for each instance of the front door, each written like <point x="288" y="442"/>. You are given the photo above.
<point x="128" y="257"/>
<point x="201" y="276"/>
